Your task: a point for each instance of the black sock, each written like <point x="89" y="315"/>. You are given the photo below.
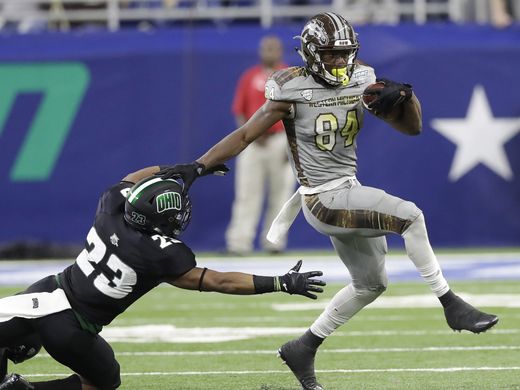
<point x="311" y="340"/>
<point x="447" y="298"/>
<point x="73" y="382"/>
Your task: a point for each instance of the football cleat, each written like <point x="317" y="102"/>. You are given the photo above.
<point x="15" y="382"/>
<point x="460" y="315"/>
<point x="300" y="359"/>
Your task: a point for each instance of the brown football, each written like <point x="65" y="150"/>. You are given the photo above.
<point x="367" y="98"/>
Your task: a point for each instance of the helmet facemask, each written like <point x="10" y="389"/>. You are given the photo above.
<point x="177" y="222"/>
<point x="330" y="71"/>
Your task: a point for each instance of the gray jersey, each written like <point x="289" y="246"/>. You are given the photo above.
<point x="323" y="124"/>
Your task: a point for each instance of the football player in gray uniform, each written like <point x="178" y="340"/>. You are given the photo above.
<point x="321" y="105"/>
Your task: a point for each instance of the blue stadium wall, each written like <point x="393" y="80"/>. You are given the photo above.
<point x="78" y="111"/>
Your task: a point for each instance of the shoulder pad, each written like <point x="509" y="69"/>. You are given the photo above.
<point x="112" y="201"/>
<point x="282" y="76"/>
<point x="363" y="75"/>
<point x="276" y="86"/>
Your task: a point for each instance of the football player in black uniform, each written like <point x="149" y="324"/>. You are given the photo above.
<point x="131" y="248"/>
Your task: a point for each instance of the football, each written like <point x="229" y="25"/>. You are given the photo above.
<point x="370" y="97"/>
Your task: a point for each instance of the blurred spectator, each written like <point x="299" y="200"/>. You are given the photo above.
<point x="263" y="167"/>
<point x="58" y="13"/>
<point x="501" y="13"/>
<point x="148" y="23"/>
<point x="87" y="5"/>
<point x="20" y="16"/>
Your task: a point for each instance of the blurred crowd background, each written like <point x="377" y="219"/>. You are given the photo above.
<point x="63" y="15"/>
<point x="92" y="90"/>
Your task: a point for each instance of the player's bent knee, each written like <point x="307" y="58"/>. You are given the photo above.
<point x="408" y="210"/>
<point x="112" y="386"/>
<point x="115" y="381"/>
<point x="411" y="214"/>
<point x="369" y="293"/>
<point x="106" y="380"/>
<point x="417" y="226"/>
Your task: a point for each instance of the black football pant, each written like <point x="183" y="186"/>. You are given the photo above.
<point x="87" y="354"/>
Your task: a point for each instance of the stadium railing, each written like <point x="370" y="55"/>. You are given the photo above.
<point x="112" y="14"/>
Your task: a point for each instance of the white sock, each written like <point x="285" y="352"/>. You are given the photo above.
<point x="421" y="253"/>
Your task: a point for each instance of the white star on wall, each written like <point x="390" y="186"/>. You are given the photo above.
<point x="480" y="138"/>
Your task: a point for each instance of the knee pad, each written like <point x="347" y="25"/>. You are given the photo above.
<point x="368" y="294"/>
<point x="416" y="226"/>
<point x="408" y="210"/>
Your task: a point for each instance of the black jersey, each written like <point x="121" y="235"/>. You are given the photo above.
<point x="120" y="264"/>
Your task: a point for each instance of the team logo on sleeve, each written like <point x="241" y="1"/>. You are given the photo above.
<point x="360" y="75"/>
<point x="168" y="201"/>
<point x="307" y="94"/>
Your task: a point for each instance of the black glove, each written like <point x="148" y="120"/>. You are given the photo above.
<point x="294" y="282"/>
<point x="388" y="97"/>
<point x="189" y="172"/>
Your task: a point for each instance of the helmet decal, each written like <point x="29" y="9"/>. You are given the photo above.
<point x="158" y="205"/>
<point x="316" y="29"/>
<point x="138" y="218"/>
<point x="168" y="201"/>
<point x="137" y="192"/>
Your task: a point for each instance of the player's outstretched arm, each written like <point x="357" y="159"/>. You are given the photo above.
<point x="231" y="145"/>
<point x="238" y="283"/>
<point x="134" y="177"/>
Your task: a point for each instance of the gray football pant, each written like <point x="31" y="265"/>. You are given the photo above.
<point x="357" y="218"/>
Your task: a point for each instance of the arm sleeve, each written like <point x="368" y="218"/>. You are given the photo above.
<point x="112" y="201"/>
<point x="286" y="85"/>
<point x="178" y="259"/>
<point x="273" y="90"/>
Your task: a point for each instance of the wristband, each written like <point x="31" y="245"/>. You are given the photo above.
<point x="202" y="278"/>
<point x="264" y="284"/>
<point x="201" y="168"/>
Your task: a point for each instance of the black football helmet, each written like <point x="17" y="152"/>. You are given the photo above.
<point x="158" y="205"/>
<point x="329" y="32"/>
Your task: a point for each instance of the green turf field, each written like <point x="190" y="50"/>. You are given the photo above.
<point x="410" y="348"/>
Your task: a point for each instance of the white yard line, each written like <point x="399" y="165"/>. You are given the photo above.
<point x="340" y="350"/>
<point x="165" y="333"/>
<point x="457" y="266"/>
<point x="411" y="301"/>
<point x="340" y="371"/>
